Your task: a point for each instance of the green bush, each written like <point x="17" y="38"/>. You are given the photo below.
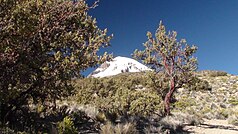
<point x="67" y="126"/>
<point x="121" y="95"/>
<point x="184" y="103"/>
<point x="198" y="84"/>
<point x="233" y="101"/>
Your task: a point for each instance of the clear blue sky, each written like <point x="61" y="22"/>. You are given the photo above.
<point x="212" y="25"/>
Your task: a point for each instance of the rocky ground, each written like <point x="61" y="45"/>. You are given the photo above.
<point x="217" y="109"/>
<point x="213" y="126"/>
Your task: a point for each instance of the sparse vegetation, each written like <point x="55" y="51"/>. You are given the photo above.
<point x="233" y="119"/>
<point x="126" y="128"/>
<point x="45" y="46"/>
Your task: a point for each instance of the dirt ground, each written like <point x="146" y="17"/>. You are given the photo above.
<point x="213" y="127"/>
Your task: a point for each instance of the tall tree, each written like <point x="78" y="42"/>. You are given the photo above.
<point x="43" y="45"/>
<point x="170" y="57"/>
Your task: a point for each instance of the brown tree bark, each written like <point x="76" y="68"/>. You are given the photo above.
<point x="168" y="97"/>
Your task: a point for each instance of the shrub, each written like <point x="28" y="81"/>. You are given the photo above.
<point x="127" y="128"/>
<point x="6" y="130"/>
<point x="107" y="129"/>
<point x="233" y="101"/>
<point x="67" y="126"/>
<point x="221" y="113"/>
<point x="119" y="96"/>
<point x="154" y="130"/>
<point x="171" y="123"/>
<point x="187" y="118"/>
<point x="184" y="103"/>
<point x="126" y="103"/>
<point x="198" y="84"/>
<point x="212" y="73"/>
<point x="233" y="120"/>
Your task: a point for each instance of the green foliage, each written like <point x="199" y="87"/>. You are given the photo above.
<point x="119" y="95"/>
<point x="233" y="101"/>
<point x="174" y="59"/>
<point x="144" y="103"/>
<point x="184" y="103"/>
<point x="43" y="45"/>
<point x="198" y="84"/>
<point x="67" y="126"/>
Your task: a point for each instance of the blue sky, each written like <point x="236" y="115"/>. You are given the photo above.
<point x="212" y="25"/>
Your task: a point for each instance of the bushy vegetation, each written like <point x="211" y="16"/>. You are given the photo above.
<point x="131" y="96"/>
<point x="67" y="126"/>
<point x="122" y="95"/>
<point x="213" y="73"/>
<point x="43" y="45"/>
<point x="197" y="84"/>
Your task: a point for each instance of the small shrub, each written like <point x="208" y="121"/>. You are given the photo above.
<point x="67" y="126"/>
<point x="127" y="128"/>
<point x="154" y="130"/>
<point x="206" y="110"/>
<point x="217" y="73"/>
<point x="169" y="122"/>
<point x="107" y="128"/>
<point x="184" y="103"/>
<point x="198" y="84"/>
<point x="233" y="120"/>
<point x="211" y="73"/>
<point x="187" y="118"/>
<point x="222" y="113"/>
<point x="233" y="101"/>
<point x="6" y="130"/>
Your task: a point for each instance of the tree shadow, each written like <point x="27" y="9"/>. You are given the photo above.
<point x="205" y="125"/>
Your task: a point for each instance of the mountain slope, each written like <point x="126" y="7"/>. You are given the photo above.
<point x="118" y="65"/>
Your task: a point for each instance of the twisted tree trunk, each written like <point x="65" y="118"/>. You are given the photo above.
<point x="168" y="97"/>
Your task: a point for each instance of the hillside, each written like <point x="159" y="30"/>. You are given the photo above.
<point x="217" y="107"/>
<point x="128" y="97"/>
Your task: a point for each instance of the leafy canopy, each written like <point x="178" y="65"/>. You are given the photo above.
<point x="174" y="59"/>
<point x="43" y="45"/>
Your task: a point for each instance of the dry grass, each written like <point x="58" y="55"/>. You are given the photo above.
<point x="233" y="120"/>
<point x="171" y="123"/>
<point x="126" y="128"/>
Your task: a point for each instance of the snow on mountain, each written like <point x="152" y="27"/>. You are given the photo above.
<point x="118" y="65"/>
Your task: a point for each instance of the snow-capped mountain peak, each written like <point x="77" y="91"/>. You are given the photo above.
<point x="118" y="65"/>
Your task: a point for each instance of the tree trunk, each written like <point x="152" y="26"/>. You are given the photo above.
<point x="168" y="97"/>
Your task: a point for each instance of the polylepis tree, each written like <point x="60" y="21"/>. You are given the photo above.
<point x="43" y="45"/>
<point x="174" y="59"/>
